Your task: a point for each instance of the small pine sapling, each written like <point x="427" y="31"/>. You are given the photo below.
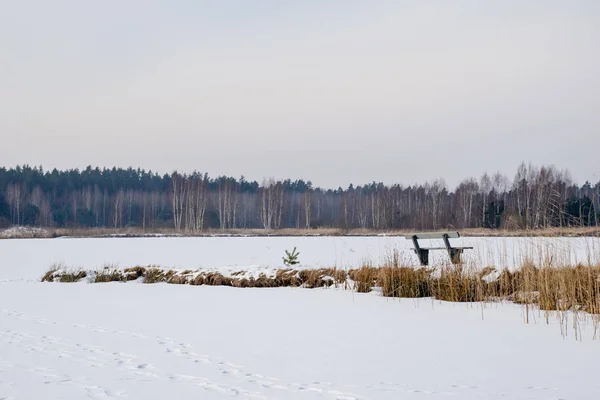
<point x="291" y="259"/>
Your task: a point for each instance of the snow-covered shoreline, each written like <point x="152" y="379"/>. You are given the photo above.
<point x="157" y="341"/>
<point x="141" y="341"/>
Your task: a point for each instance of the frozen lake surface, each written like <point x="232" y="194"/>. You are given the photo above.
<point x="30" y="258"/>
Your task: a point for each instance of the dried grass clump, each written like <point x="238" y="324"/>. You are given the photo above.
<point x="109" y="275"/>
<point x="310" y="278"/>
<point x="169" y="274"/>
<point x="53" y="274"/>
<point x="587" y="292"/>
<point x="242" y="283"/>
<point x="339" y="275"/>
<point x="324" y="277"/>
<point x="217" y="279"/>
<point x="569" y="288"/>
<point x="456" y="283"/>
<point x="282" y="278"/>
<point x="263" y="281"/>
<point x="287" y="277"/>
<point x="133" y="273"/>
<point x="50" y="274"/>
<point x="197" y="280"/>
<point x="178" y="278"/>
<point x="364" y="278"/>
<point x="75" y="276"/>
<point x="59" y="273"/>
<point x="154" y="275"/>
<point x="405" y="282"/>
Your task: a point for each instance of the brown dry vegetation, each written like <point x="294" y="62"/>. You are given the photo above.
<point x="312" y="278"/>
<point x="72" y="276"/>
<point x="364" y="278"/>
<point x="473" y="232"/>
<point x="109" y="274"/>
<point x="133" y="273"/>
<point x="405" y="282"/>
<point x="323" y="277"/>
<point x="49" y="275"/>
<point x="549" y="288"/>
<point x="153" y="274"/>
<point x="59" y="273"/>
<point x="288" y="277"/>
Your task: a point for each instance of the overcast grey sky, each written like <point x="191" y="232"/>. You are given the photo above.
<point x="335" y="91"/>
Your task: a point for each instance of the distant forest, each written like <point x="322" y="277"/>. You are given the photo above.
<point x="535" y="198"/>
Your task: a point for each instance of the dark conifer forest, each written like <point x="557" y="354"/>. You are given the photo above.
<point x="535" y="198"/>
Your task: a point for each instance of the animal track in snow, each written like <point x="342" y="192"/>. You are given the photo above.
<point x="224" y="377"/>
<point x="233" y="375"/>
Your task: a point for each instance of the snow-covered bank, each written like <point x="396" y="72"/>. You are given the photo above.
<point x="139" y="341"/>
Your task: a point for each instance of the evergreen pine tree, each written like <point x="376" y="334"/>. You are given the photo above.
<point x="291" y="259"/>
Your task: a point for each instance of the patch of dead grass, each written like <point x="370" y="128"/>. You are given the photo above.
<point x="405" y="282"/>
<point x="49" y="275"/>
<point x="75" y="276"/>
<point x="109" y="275"/>
<point x="364" y="278"/>
<point x="133" y="273"/>
<point x="287" y="277"/>
<point x="154" y="275"/>
<point x="322" y="277"/>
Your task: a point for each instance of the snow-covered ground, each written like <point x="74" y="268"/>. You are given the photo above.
<point x="137" y="341"/>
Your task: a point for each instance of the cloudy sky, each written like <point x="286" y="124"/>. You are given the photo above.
<point x="335" y="91"/>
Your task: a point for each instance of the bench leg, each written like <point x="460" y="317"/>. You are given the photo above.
<point x="452" y="252"/>
<point x="455" y="255"/>
<point x="423" y="256"/>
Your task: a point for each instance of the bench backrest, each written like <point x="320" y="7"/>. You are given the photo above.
<point x="433" y="235"/>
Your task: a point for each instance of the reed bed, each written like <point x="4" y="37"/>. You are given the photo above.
<point x="550" y="288"/>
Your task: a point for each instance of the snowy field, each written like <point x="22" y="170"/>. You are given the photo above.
<point x="136" y="341"/>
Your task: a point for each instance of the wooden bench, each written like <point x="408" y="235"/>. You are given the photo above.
<point x="423" y="252"/>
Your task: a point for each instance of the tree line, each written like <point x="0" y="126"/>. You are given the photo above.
<point x="535" y="198"/>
